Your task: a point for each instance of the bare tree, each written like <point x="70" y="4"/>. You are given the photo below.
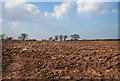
<point x="56" y="38"/>
<point x="75" y="37"/>
<point x="9" y="38"/>
<point x="19" y="38"/>
<point x="61" y="37"/>
<point x="65" y="37"/>
<point x="50" y="38"/>
<point x="3" y="36"/>
<point x="23" y="36"/>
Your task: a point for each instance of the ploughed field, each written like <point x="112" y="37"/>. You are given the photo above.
<point x="60" y="60"/>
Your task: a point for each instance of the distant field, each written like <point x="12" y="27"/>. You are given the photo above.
<point x="60" y="60"/>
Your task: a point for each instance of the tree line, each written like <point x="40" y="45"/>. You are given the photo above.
<point x="74" y="37"/>
<point x="24" y="37"/>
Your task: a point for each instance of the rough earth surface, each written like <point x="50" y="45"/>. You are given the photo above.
<point x="60" y="60"/>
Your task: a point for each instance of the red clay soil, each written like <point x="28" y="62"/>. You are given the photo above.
<point x="60" y="60"/>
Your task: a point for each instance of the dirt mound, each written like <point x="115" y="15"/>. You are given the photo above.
<point x="60" y="60"/>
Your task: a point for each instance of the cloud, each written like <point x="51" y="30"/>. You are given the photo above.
<point x="89" y="8"/>
<point x="22" y="11"/>
<point x="62" y="10"/>
<point x="48" y="15"/>
<point x="109" y="12"/>
<point x="16" y="25"/>
<point x="114" y="11"/>
<point x="104" y="12"/>
<point x="26" y="12"/>
<point x="29" y="13"/>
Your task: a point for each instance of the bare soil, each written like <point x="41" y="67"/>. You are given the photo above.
<point x="60" y="60"/>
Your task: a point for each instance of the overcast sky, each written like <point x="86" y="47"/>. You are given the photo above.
<point x="41" y="20"/>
